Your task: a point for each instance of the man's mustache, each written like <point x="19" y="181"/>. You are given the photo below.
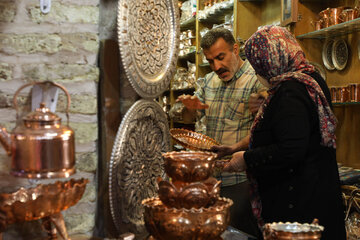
<point x="221" y="70"/>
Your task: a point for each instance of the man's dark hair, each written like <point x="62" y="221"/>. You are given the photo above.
<point x="214" y="34"/>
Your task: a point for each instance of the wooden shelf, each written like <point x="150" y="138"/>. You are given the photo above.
<point x="183" y="90"/>
<point x="218" y="16"/>
<point x="333" y="31"/>
<point x="204" y="65"/>
<point x="345" y="103"/>
<point x="188" y="24"/>
<point x="188" y="57"/>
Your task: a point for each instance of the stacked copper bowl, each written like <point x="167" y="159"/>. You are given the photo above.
<point x="188" y="205"/>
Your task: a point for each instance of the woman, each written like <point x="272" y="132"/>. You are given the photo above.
<point x="291" y="162"/>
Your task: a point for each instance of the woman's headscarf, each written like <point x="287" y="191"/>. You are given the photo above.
<point x="276" y="56"/>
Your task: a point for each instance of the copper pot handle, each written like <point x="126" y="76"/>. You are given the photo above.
<point x="42" y="83"/>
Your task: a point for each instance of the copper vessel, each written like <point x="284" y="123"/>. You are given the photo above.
<point x="349" y="14"/>
<point x="189" y="195"/>
<point x="335" y="15"/>
<point x="42" y="202"/>
<point x="293" y="231"/>
<point x="192" y="140"/>
<point x="165" y="223"/>
<point x="40" y="146"/>
<point x="189" y="166"/>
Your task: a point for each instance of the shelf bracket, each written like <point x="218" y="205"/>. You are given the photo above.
<point x="45" y="6"/>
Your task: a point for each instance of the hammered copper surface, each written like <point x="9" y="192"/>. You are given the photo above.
<point x="189" y="195"/>
<point x="148" y="36"/>
<point x="189" y="166"/>
<point x="183" y="224"/>
<point x="40" y="147"/>
<point x="192" y="140"/>
<point x="294" y="231"/>
<point x="135" y="164"/>
<point x="39" y="202"/>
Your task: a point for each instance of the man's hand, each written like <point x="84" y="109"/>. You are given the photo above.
<point x="255" y="101"/>
<point x="191" y="102"/>
<point x="237" y="163"/>
<point x="222" y="150"/>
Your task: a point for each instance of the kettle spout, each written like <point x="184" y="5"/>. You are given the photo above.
<point x="5" y="140"/>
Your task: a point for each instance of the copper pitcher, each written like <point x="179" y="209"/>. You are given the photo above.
<point x="40" y="147"/>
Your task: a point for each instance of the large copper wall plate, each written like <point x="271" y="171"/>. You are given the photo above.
<point x="135" y="164"/>
<point x="148" y="36"/>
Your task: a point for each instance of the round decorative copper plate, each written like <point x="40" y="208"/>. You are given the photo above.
<point x="340" y="54"/>
<point x="135" y="164"/>
<point x="192" y="140"/>
<point x="326" y="54"/>
<point x="148" y="36"/>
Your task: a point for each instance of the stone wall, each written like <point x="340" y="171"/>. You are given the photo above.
<point x="61" y="46"/>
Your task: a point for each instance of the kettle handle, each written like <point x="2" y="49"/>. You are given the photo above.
<point x="42" y="83"/>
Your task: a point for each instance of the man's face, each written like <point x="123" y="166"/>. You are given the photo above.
<point x="223" y="59"/>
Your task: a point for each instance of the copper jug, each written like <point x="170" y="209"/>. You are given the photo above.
<point x="40" y="147"/>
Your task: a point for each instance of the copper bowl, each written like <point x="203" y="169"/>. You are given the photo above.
<point x="189" y="195"/>
<point x="183" y="224"/>
<point x="189" y="166"/>
<point x="192" y="140"/>
<point x="39" y="202"/>
<point x="285" y="231"/>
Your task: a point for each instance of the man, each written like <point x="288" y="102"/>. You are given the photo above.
<point x="221" y="101"/>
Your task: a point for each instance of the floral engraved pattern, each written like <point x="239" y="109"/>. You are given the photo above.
<point x="149" y="35"/>
<point x="136" y="162"/>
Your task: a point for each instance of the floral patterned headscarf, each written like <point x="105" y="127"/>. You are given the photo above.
<point x="276" y="56"/>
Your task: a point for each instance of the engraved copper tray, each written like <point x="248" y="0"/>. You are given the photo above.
<point x="135" y="164"/>
<point x="148" y="37"/>
<point x="192" y="140"/>
<point x="39" y="202"/>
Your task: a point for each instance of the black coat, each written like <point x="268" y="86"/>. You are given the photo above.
<point x="298" y="178"/>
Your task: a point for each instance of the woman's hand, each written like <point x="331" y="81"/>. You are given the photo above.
<point x="222" y="150"/>
<point x="237" y="163"/>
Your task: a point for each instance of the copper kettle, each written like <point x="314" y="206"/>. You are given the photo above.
<point x="40" y="146"/>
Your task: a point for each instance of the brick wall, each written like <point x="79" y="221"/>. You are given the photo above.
<point x="61" y="46"/>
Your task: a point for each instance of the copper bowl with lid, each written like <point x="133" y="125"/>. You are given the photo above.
<point x="165" y="223"/>
<point x="189" y="195"/>
<point x="189" y="166"/>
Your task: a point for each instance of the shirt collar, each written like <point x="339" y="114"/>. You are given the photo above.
<point x="241" y="70"/>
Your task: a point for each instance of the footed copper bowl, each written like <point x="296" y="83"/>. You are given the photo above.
<point x="39" y="202"/>
<point x="189" y="166"/>
<point x="296" y="231"/>
<point x="165" y="223"/>
<point x="189" y="195"/>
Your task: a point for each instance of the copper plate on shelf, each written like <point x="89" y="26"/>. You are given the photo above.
<point x="340" y="54"/>
<point x="327" y="54"/>
<point x="192" y="140"/>
<point x="148" y="37"/>
<point x="135" y="163"/>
